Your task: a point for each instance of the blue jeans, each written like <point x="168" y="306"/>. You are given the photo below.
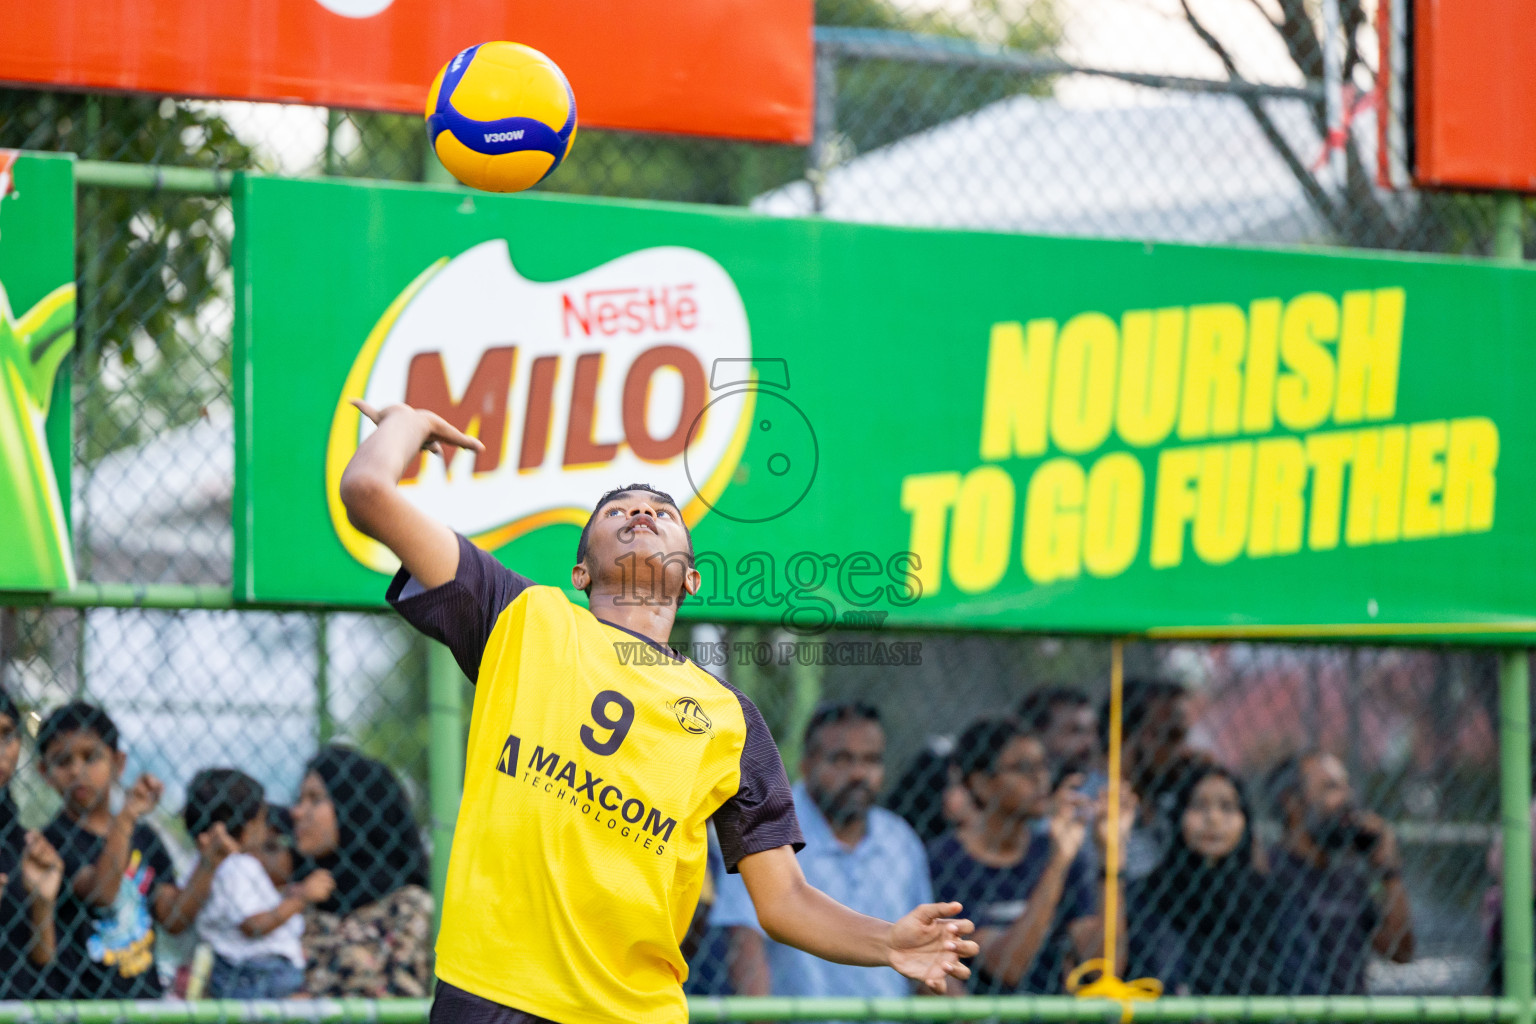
<point x="265" y="977"/>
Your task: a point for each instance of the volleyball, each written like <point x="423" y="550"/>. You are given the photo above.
<point x="501" y="116"/>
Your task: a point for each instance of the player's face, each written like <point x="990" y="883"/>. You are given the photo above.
<point x="81" y="769"/>
<point x="10" y="749"/>
<point x="314" y="819"/>
<point x="845" y="769"/>
<point x="638" y="544"/>
<point x="1213" y="822"/>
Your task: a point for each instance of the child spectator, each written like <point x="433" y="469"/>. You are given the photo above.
<point x="30" y="873"/>
<point x="255" y="932"/>
<point x="118" y="877"/>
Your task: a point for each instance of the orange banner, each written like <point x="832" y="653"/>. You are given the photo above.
<point x="733" y="68"/>
<point x="1474" y="108"/>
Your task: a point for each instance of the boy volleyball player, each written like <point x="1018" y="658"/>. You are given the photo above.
<point x="580" y="847"/>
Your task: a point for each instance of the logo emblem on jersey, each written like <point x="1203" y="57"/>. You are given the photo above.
<point x="691" y="716"/>
<point x="507" y="762"/>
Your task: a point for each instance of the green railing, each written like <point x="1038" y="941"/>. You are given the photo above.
<point x="746" y="1008"/>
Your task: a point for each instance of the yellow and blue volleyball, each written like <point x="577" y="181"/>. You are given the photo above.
<point x="501" y="116"/>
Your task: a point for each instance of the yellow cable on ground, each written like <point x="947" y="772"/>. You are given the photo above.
<point x="1107" y="985"/>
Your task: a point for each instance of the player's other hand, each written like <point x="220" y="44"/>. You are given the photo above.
<point x="438" y="435"/>
<point x="927" y="944"/>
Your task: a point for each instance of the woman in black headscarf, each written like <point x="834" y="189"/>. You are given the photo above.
<point x="1206" y="921"/>
<point x="373" y="936"/>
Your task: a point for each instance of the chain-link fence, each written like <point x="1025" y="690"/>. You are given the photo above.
<point x="1343" y="847"/>
<point x="1308" y="820"/>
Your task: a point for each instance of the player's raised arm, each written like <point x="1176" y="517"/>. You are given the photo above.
<point x="369" y="489"/>
<point x="926" y="945"/>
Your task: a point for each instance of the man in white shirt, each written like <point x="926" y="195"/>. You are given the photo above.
<point x="863" y="856"/>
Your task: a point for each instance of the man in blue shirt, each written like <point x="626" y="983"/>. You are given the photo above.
<point x="863" y="856"/>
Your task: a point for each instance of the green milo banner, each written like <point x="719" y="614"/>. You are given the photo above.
<point x="37" y="330"/>
<point x="911" y="428"/>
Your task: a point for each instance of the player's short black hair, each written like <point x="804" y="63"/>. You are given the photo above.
<point x="581" y="544"/>
<point x="222" y="795"/>
<point x="77" y="716"/>
<point x="982" y="743"/>
<point x="833" y="712"/>
<point x="1037" y="707"/>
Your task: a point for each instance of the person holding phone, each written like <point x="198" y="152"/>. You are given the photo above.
<point x="1341" y="862"/>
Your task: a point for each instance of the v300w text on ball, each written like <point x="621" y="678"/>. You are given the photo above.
<point x="501" y="116"/>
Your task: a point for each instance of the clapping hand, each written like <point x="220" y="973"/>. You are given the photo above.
<point x="1068" y="826"/>
<point x="142" y="796"/>
<point x="216" y="844"/>
<point x="317" y="888"/>
<point x="42" y="869"/>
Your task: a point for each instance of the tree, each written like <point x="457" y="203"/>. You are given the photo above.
<point x="878" y="102"/>
<point x="148" y="263"/>
<point x="1359" y="213"/>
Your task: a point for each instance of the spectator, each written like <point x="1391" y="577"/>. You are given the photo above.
<point x="1030" y="892"/>
<point x="1156" y="762"/>
<point x="30" y="876"/>
<point x="863" y="856"/>
<point x="253" y="930"/>
<point x="372" y="937"/>
<point x="1332" y="855"/>
<point x="929" y="795"/>
<point x="118" y="877"/>
<point x="1206" y="921"/>
<point x="1068" y="726"/>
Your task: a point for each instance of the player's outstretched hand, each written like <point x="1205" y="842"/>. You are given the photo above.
<point x="927" y="944"/>
<point x="442" y="437"/>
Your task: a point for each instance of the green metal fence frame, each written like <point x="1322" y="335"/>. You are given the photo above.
<point x="446" y="778"/>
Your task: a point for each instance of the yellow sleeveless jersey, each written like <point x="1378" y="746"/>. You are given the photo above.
<point x="596" y="759"/>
